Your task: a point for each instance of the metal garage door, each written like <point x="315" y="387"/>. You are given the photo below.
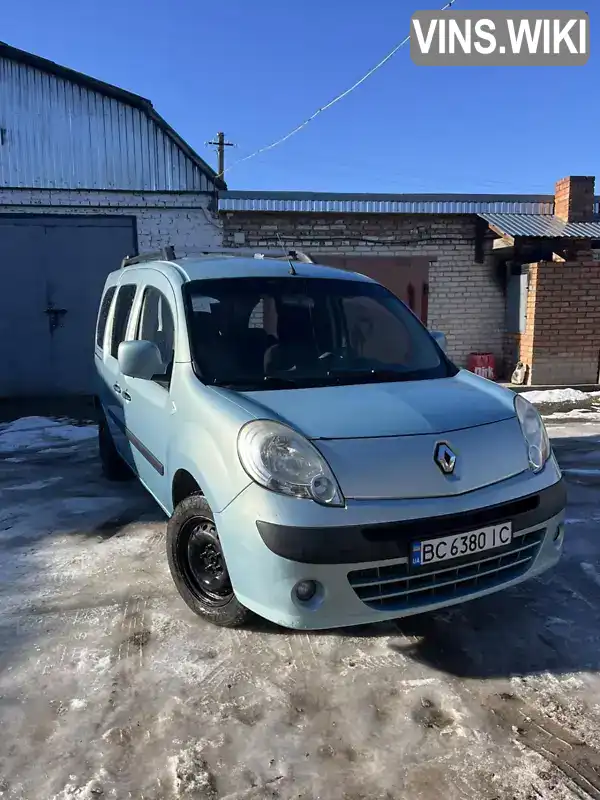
<point x="52" y="271"/>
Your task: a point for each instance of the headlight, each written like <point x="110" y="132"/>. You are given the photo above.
<point x="534" y="431"/>
<point x="282" y="460"/>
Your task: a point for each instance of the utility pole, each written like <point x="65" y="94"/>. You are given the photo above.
<point x="221" y="144"/>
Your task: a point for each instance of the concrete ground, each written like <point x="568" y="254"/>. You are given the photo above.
<point x="111" y="688"/>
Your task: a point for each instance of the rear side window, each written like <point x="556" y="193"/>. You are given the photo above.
<point x="103" y="315"/>
<point x="121" y="318"/>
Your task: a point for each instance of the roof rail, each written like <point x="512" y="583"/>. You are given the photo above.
<point x="168" y="254"/>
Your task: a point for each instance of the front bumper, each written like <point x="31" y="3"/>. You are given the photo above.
<point x="359" y="554"/>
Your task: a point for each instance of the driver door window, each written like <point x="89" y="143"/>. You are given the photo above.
<point x="123" y="307"/>
<point x="156" y="325"/>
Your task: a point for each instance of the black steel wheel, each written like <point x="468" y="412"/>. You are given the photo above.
<point x="202" y="561"/>
<point x="198" y="565"/>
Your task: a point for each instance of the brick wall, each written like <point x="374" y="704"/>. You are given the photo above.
<point x="465" y="300"/>
<point x="561" y="343"/>
<point x="177" y="218"/>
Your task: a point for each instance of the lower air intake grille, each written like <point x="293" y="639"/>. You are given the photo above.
<point x="396" y="587"/>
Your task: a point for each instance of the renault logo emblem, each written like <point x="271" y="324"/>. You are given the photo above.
<point x="444" y="458"/>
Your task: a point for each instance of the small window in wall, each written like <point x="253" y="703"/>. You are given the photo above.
<point x="424" y="303"/>
<point x="156" y="324"/>
<point x="410" y="294"/>
<point x="121" y="318"/>
<point x="257" y="316"/>
<point x="103" y="315"/>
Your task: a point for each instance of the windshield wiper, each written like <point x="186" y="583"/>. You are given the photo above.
<point x="258" y="383"/>
<point x="277" y="382"/>
<point x="370" y="376"/>
<point x="330" y="378"/>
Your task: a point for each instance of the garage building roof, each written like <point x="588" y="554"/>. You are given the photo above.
<point x="545" y="226"/>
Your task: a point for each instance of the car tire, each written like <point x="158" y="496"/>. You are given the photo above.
<point x="113" y="466"/>
<point x="198" y="565"/>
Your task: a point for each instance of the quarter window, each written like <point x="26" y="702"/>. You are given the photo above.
<point x="103" y="315"/>
<point x="121" y="318"/>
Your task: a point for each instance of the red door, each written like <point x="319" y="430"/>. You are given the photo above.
<point x="407" y="278"/>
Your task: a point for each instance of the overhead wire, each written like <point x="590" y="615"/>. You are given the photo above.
<point x="331" y="103"/>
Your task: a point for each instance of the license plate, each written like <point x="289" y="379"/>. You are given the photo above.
<point x="459" y="545"/>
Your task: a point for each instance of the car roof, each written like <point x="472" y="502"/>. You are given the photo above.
<point x="193" y="268"/>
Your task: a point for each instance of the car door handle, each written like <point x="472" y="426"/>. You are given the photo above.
<point x="126" y="396"/>
<point x="117" y="388"/>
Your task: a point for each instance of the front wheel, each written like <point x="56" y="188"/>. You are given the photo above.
<point x="198" y="565"/>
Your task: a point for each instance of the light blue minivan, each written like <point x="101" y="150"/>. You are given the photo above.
<point x="321" y="460"/>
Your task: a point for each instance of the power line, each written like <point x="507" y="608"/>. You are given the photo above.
<point x="335" y="100"/>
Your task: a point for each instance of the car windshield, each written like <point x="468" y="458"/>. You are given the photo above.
<point x="282" y="333"/>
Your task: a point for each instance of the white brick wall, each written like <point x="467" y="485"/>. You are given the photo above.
<point x="162" y="218"/>
<point x="465" y="300"/>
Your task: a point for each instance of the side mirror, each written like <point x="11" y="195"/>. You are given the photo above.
<point x="440" y="338"/>
<point x="140" y="359"/>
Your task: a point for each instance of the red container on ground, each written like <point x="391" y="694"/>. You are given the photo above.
<point x="483" y="364"/>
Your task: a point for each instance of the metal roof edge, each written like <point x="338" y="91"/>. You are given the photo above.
<point x="367" y="203"/>
<point x="359" y="196"/>
<point x="375" y="197"/>
<point x="114" y="92"/>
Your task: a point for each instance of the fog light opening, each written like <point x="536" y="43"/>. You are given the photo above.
<point x="558" y="533"/>
<point x="305" y="590"/>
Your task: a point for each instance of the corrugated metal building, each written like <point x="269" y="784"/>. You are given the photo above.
<point x="89" y="173"/>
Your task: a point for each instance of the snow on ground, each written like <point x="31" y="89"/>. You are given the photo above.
<point x="583" y="414"/>
<point x="566" y="405"/>
<point x="35" y="433"/>
<point x="111" y="688"/>
<point x="540" y="397"/>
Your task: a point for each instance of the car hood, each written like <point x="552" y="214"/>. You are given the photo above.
<point x="381" y="440"/>
<point x="384" y="409"/>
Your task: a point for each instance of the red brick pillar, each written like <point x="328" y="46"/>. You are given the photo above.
<point x="574" y="198"/>
<point x="561" y="342"/>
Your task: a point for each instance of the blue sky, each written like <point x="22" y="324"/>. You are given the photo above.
<point x="256" y="68"/>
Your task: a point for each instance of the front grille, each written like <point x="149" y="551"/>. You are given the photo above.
<point x="397" y="587"/>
